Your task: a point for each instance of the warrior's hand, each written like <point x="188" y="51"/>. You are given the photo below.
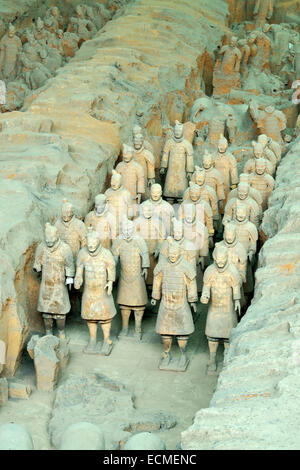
<point x="189" y="176"/>
<point x="78" y="282"/>
<point x="156" y="253"/>
<point x="153" y="302"/>
<point x="251" y="256"/>
<point x="162" y="171"/>
<point x="69" y="282"/>
<point x="237" y="307"/>
<point x="194" y="306"/>
<point x="233" y="186"/>
<point x="109" y="287"/>
<point x="138" y="199"/>
<point x="151" y="181"/>
<point x="145" y="273"/>
<point x="204" y="299"/>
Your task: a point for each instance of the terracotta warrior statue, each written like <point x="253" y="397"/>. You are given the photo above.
<point x="204" y="213"/>
<point x="79" y="25"/>
<point x="247" y="234"/>
<point x="213" y="177"/>
<point x="102" y="221"/>
<point x="262" y="181"/>
<point x="175" y="284"/>
<point x="221" y="287"/>
<point x="119" y="200"/>
<point x="226" y="164"/>
<point x="263" y="11"/>
<point x="96" y="270"/>
<point x="132" y="174"/>
<point x="254" y="212"/>
<point x="268" y="154"/>
<point x="188" y="248"/>
<point x="133" y="253"/>
<point x="178" y="161"/>
<point x="258" y="152"/>
<point x="151" y="229"/>
<point x="146" y="159"/>
<point x="197" y="234"/>
<point x="40" y="33"/>
<point x="55" y="261"/>
<point x="269" y="121"/>
<point x="207" y="194"/>
<point x="161" y="209"/>
<point x="253" y="193"/>
<point x="237" y="254"/>
<point x="231" y="57"/>
<point x="71" y="230"/>
<point x="10" y="48"/>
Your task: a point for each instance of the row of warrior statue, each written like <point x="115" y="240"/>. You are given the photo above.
<point x="162" y="244"/>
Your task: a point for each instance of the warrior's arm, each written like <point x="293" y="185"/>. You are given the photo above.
<point x="191" y="285"/>
<point x="157" y="282"/>
<point x="190" y="167"/>
<point x="37" y="265"/>
<point x="233" y="172"/>
<point x="69" y="262"/>
<point x="110" y="267"/>
<point x="140" y="181"/>
<point x="79" y="271"/>
<point x="165" y="156"/>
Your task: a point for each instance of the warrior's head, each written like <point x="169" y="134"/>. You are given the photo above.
<point x="207" y="161"/>
<point x="138" y="141"/>
<point x="178" y="130"/>
<point x="67" y="210"/>
<point x="92" y="240"/>
<point x="127" y="229"/>
<point x="220" y="256"/>
<point x="156" y="192"/>
<point x="177" y="229"/>
<point x="174" y="250"/>
<point x="127" y="153"/>
<point x="222" y="144"/>
<point x="116" y="180"/>
<point x="51" y="235"/>
<point x="230" y="233"/>
<point x="260" y="166"/>
<point x="258" y="149"/>
<point x="199" y="176"/>
<point x="243" y="191"/>
<point x="100" y="204"/>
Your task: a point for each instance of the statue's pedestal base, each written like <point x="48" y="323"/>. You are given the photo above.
<point x="174" y="365"/>
<point x="102" y="349"/>
<point x="223" y="84"/>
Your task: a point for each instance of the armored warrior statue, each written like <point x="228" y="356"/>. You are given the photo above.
<point x="204" y="213"/>
<point x="268" y="154"/>
<point x="254" y="212"/>
<point x="119" y="201"/>
<point x="102" y="221"/>
<point x="258" y="152"/>
<point x="221" y="286"/>
<point x="227" y="71"/>
<point x="95" y="268"/>
<point x="175" y="284"/>
<point x="132" y="174"/>
<point x="247" y="234"/>
<point x="55" y="260"/>
<point x="146" y="159"/>
<point x="10" y="48"/>
<point x="262" y="182"/>
<point x="213" y="177"/>
<point x="207" y="193"/>
<point x="133" y="253"/>
<point x="71" y="230"/>
<point x="151" y="229"/>
<point x="253" y="193"/>
<point x="270" y="121"/>
<point x="226" y="164"/>
<point x="161" y="209"/>
<point x="188" y="248"/>
<point x="178" y="161"/>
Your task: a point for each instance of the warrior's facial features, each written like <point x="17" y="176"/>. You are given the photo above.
<point x="127" y="156"/>
<point x="137" y="130"/>
<point x="115" y="181"/>
<point x="222" y="146"/>
<point x="92" y="241"/>
<point x="128" y="229"/>
<point x="243" y="191"/>
<point x="207" y="162"/>
<point x="156" y="192"/>
<point x="260" y="166"/>
<point x="11" y="31"/>
<point x="230" y="233"/>
<point x="138" y="141"/>
<point x="177" y="230"/>
<point x="51" y="236"/>
<point x="244" y="178"/>
<point x="67" y="212"/>
<point x="178" y="131"/>
<point x="258" y="151"/>
<point x="233" y="41"/>
<point x="263" y="140"/>
<point x="241" y="213"/>
<point x="173" y="253"/>
<point x="220" y="256"/>
<point x="200" y="178"/>
<point x="194" y="193"/>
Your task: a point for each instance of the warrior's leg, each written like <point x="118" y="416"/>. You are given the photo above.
<point x="167" y="342"/>
<point x="60" y="323"/>
<point x="48" y="322"/>
<point x="125" y="312"/>
<point x="92" y="326"/>
<point x="106" y="326"/>
<point x="213" y="344"/>
<point x="182" y="343"/>
<point x="138" y="316"/>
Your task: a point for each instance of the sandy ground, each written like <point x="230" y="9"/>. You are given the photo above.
<point x="134" y="364"/>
